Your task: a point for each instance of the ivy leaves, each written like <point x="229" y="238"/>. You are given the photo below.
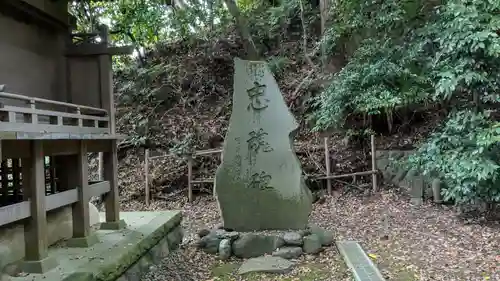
<point x="464" y="153"/>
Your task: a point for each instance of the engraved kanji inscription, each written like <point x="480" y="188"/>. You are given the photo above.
<point x="260" y="181"/>
<point x="257" y="143"/>
<point x="237" y="159"/>
<point x="256" y="95"/>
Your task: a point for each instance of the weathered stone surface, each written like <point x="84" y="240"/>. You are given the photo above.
<point x="325" y="237"/>
<point x="223" y="234"/>
<point x="436" y="191"/>
<point x="259" y="184"/>
<point x="293" y="238"/>
<point x="417" y="190"/>
<point x="225" y="249"/>
<point x="175" y="237"/>
<point x="288" y="252"/>
<point x="268" y="264"/>
<point x="251" y="245"/>
<point x="312" y="244"/>
<point x="203" y="232"/>
<point x="209" y="243"/>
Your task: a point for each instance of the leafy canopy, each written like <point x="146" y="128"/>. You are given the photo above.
<point x="411" y="53"/>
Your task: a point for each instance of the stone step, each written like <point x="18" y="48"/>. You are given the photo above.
<point x="360" y="264"/>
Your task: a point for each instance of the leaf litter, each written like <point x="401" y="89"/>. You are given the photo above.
<point x="425" y="243"/>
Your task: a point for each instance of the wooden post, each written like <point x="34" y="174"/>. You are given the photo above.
<point x="106" y="80"/>
<point x="190" y="178"/>
<point x="111" y="199"/>
<point x="37" y="259"/>
<point x="100" y="167"/>
<point x="79" y="169"/>
<point x="146" y="174"/>
<point x="327" y="164"/>
<point x="374" y="164"/>
<point x="5" y="182"/>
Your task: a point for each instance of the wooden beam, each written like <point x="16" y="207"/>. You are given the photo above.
<point x="24" y="12"/>
<point x="81" y="221"/>
<point x="82" y="236"/>
<point x="99" y="188"/>
<point x="35" y="228"/>
<point x="346" y="175"/>
<point x="52" y="102"/>
<point x="20" y="148"/>
<point x="34" y="187"/>
<point x="49" y="128"/>
<point x="20" y="211"/>
<point x="106" y="89"/>
<point x="61" y="199"/>
<point x="111" y="200"/>
<point x="14" y="212"/>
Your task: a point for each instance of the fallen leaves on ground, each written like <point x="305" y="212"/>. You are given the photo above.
<point x="426" y="243"/>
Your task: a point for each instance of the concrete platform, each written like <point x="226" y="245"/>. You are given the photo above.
<point x="123" y="255"/>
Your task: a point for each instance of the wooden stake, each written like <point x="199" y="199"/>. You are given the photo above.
<point x="146" y="174"/>
<point x="327" y="164"/>
<point x="190" y="178"/>
<point x="374" y="164"/>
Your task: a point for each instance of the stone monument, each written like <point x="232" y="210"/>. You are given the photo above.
<point x="259" y="184"/>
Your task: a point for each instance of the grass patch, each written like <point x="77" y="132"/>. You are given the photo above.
<point x="303" y="272"/>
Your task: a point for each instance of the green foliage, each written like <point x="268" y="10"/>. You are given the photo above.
<point x="464" y="153"/>
<point x="278" y="65"/>
<point x="409" y="53"/>
<point x="454" y="52"/>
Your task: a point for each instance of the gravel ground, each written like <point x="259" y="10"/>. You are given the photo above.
<point x="409" y="243"/>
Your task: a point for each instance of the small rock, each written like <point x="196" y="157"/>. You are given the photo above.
<point x="267" y="264"/>
<point x="293" y="238"/>
<point x="203" y="232"/>
<point x="325" y="236"/>
<point x="304" y="232"/>
<point x="312" y="244"/>
<point x="251" y="245"/>
<point x="225" y="249"/>
<point x="223" y="234"/>
<point x="209" y="243"/>
<point x="288" y="252"/>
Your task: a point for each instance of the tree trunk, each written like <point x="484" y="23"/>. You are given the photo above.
<point x="242" y="24"/>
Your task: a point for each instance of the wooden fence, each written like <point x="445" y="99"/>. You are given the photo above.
<point x="191" y="181"/>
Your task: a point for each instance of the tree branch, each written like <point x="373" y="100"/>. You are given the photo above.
<point x="304" y="32"/>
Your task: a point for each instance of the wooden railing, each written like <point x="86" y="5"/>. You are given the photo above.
<point x="326" y="176"/>
<point x="20" y="211"/>
<point x="74" y="119"/>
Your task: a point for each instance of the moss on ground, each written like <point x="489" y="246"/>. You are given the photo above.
<point x="303" y="272"/>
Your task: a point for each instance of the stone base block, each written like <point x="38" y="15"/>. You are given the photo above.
<point x="82" y="242"/>
<point x="40" y="266"/>
<point x="113" y="225"/>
